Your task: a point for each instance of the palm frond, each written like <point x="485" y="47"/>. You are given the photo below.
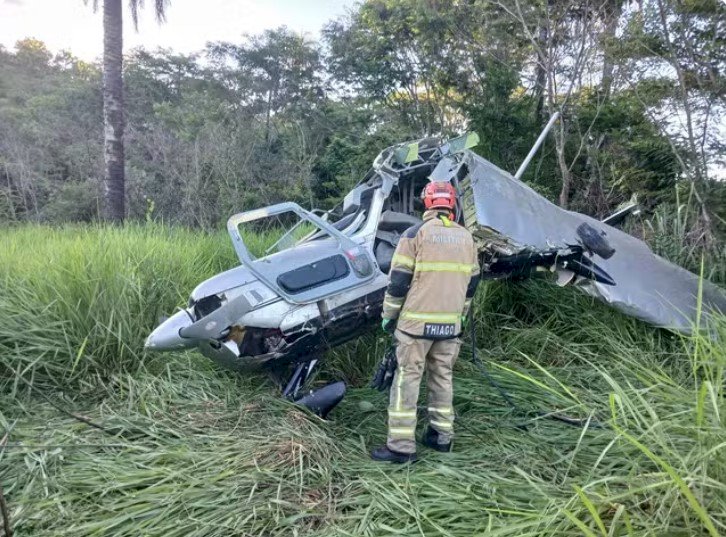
<point x="134" y="6"/>
<point x="160" y="10"/>
<point x="94" y="4"/>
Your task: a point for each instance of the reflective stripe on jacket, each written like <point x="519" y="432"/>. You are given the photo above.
<point x="434" y="274"/>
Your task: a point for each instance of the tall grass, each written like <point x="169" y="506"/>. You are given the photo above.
<point x="676" y="233"/>
<point x="196" y="451"/>
<point x="79" y="301"/>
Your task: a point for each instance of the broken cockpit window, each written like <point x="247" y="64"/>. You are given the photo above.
<point x="276" y="233"/>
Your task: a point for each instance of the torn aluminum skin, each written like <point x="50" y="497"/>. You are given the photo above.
<point x="503" y="210"/>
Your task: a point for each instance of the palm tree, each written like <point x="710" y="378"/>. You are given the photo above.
<point x="113" y="101"/>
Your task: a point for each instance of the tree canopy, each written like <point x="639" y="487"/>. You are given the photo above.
<point x="276" y="116"/>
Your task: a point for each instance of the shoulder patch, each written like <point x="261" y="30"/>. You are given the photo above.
<point x="411" y="232"/>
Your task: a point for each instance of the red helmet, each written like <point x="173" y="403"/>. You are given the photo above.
<point x="439" y="195"/>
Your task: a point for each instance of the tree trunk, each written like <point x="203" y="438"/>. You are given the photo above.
<point x="564" y="197"/>
<point x="560" y="138"/>
<point x="699" y="170"/>
<point x="673" y="60"/>
<point x="612" y="16"/>
<point x="545" y="57"/>
<point x="268" y="114"/>
<point x="540" y="80"/>
<point x="113" y="110"/>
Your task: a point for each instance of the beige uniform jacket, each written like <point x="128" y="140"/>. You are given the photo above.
<point x="434" y="274"/>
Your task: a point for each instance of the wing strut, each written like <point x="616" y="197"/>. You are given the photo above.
<point x="536" y="146"/>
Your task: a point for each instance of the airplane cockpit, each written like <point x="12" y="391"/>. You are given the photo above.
<point x="407" y="168"/>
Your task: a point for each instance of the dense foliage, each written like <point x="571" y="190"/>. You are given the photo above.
<point x="277" y="116"/>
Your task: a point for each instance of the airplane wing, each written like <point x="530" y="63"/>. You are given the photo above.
<point x="505" y="213"/>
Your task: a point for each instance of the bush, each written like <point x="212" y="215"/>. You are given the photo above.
<point x="676" y="233"/>
<point x="74" y="202"/>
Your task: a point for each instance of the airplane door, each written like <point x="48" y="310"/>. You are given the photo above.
<point x="297" y="254"/>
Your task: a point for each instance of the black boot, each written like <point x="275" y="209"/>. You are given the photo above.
<point x="431" y="439"/>
<point x="383" y="454"/>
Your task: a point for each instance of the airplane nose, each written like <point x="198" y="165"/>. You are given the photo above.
<point x="165" y="337"/>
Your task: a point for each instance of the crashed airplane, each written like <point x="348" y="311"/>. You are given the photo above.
<point x="322" y="280"/>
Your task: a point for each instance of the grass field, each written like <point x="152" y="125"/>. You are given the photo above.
<point x="191" y="450"/>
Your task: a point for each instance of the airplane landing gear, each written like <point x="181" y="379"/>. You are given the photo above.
<point x="320" y="401"/>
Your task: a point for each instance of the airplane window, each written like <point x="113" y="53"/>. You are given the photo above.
<point x="274" y="234"/>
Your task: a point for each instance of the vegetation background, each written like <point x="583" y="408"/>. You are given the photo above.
<point x="187" y="449"/>
<point x="640" y="87"/>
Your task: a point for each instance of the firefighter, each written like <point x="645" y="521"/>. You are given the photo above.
<point x="433" y="277"/>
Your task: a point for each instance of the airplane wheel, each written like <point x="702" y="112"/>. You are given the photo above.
<point x="595" y="241"/>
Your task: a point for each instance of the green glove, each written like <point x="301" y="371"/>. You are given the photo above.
<point x="388" y="325"/>
<point x="464" y="322"/>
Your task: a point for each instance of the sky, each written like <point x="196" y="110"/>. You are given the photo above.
<point x="72" y="25"/>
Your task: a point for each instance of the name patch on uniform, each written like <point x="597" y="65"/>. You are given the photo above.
<point x="445" y="239"/>
<point x="439" y="330"/>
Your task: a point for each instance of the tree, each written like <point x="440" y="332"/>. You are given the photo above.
<point x="277" y="116"/>
<point x="113" y="103"/>
<point x="276" y="71"/>
<point x="674" y="61"/>
<point x="398" y="53"/>
<point x="50" y="133"/>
